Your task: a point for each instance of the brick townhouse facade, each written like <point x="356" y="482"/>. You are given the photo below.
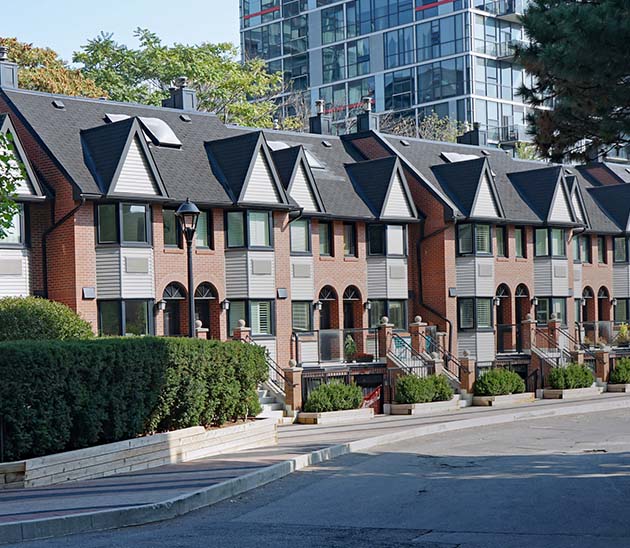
<point x="307" y="237"/>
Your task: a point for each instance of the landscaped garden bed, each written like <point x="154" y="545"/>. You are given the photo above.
<point x="423" y="396"/>
<point x="499" y="387"/>
<point x="572" y="382"/>
<point x="334" y="403"/>
<point x="620" y="377"/>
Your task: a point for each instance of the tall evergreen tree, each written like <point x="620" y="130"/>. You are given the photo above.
<point x="579" y="57"/>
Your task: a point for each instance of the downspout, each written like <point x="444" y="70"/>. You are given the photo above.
<point x="420" y="292"/>
<point x="47" y="233"/>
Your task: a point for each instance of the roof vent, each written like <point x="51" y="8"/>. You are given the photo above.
<point x="404" y="142"/>
<point x="185" y="118"/>
<point x="567" y="170"/>
<point x="328" y="144"/>
<point x="4" y="53"/>
<point x="628" y="170"/>
<point x="485" y="153"/>
<point x="58" y="104"/>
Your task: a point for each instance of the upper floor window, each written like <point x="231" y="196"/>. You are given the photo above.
<point x="520" y="242"/>
<point x="14" y="234"/>
<point x="548" y="305"/>
<point x="474" y="239"/>
<point x="387" y="240"/>
<point x="170" y="225"/>
<point x="349" y="239"/>
<point x="585" y="249"/>
<point x="325" y="239"/>
<point x="398" y="47"/>
<point x="300" y="232"/>
<point x="550" y="239"/>
<point x="602" y="256"/>
<point x="621" y="250"/>
<point x="248" y="229"/>
<point x="333" y="25"/>
<point x="474" y="313"/>
<point x="203" y="235"/>
<point x="123" y="223"/>
<point x="502" y="242"/>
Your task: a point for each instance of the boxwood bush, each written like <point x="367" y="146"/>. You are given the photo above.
<point x="412" y="389"/>
<point x="621" y="373"/>
<point x="335" y="396"/>
<point x="31" y="318"/>
<point x="499" y="382"/>
<point x="571" y="376"/>
<point x="62" y="395"/>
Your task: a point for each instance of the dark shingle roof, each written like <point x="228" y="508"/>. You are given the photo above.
<point x="461" y="180"/>
<point x="372" y="179"/>
<point x="284" y="160"/>
<point x="537" y="187"/>
<point x="615" y="201"/>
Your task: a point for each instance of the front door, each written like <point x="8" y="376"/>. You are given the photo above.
<point x="171" y="319"/>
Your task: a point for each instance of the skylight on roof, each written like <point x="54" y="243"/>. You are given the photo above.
<point x="277" y="145"/>
<point x="113" y="118"/>
<point x="327" y="144"/>
<point x="404" y="142"/>
<point x="453" y="157"/>
<point x="160" y="132"/>
<point x="58" y="104"/>
<point x="313" y="162"/>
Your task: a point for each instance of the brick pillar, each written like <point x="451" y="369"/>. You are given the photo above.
<point x="554" y="325"/>
<point x="578" y="357"/>
<point x="528" y="332"/>
<point x="602" y="365"/>
<point x="438" y="363"/>
<point x="385" y="332"/>
<point x="201" y="332"/>
<point x="467" y="364"/>
<point x="293" y="387"/>
<point x="241" y="333"/>
<point x="417" y="331"/>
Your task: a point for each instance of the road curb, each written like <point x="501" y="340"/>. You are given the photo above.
<point x="149" y="513"/>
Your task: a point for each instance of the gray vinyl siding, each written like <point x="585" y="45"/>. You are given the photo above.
<point x="377" y="277"/>
<point x="485" y="346"/>
<point x="261" y="187"/>
<point x="467" y="341"/>
<point x="302" y="285"/>
<point x="560" y="279"/>
<point x="301" y="191"/>
<point x="397" y="205"/>
<point x="621" y="281"/>
<point x="543" y="272"/>
<point x="485" y="206"/>
<point x="236" y="284"/>
<point x="137" y="275"/>
<point x="560" y="211"/>
<point x="14" y="273"/>
<point x="397" y="287"/>
<point x="108" y="273"/>
<point x="262" y="275"/>
<point x="135" y="176"/>
<point x="270" y="345"/>
<point x="475" y="276"/>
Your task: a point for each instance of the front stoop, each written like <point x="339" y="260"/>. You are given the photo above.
<point x="271" y="407"/>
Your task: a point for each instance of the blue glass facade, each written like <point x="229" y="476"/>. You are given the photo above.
<point x="452" y="57"/>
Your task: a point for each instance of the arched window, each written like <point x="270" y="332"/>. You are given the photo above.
<point x="174" y="292"/>
<point x="327" y="294"/>
<point x="522" y="291"/>
<point x="205" y="291"/>
<point x="603" y="293"/>
<point x="351" y="294"/>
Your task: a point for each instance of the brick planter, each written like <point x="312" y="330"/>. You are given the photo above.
<point x="508" y="399"/>
<point x="336" y="417"/>
<point x="571" y="393"/>
<point x="424" y="408"/>
<point x="617" y="387"/>
<point x="136" y="454"/>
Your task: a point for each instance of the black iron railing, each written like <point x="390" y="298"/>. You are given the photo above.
<point x="408" y="359"/>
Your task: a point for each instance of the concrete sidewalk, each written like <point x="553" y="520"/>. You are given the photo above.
<point x="172" y="490"/>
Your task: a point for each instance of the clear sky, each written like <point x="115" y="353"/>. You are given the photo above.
<point x="65" y="25"/>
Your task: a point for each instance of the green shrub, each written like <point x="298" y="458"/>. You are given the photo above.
<point x="571" y="376"/>
<point x="621" y="373"/>
<point x="412" y="389"/>
<point x="499" y="382"/>
<point x="31" y="318"/>
<point x="62" y="395"/>
<point x="335" y="396"/>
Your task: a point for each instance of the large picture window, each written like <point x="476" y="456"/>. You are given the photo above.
<point x="300" y="232"/>
<point x="550" y="239"/>
<point x="387" y="240"/>
<point x="395" y="310"/>
<point x="123" y="223"/>
<point x="474" y="239"/>
<point x="125" y="317"/>
<point x="257" y="314"/>
<point x="474" y="313"/>
<point x="248" y="229"/>
<point x="551" y="305"/>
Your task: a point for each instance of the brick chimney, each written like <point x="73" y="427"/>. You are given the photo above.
<point x="182" y="97"/>
<point x="8" y="70"/>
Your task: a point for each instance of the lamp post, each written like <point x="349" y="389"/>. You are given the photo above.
<point x="188" y="215"/>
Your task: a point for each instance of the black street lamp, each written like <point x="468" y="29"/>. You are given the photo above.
<point x="188" y="215"/>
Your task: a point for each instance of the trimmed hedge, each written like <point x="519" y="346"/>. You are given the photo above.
<point x="571" y="376"/>
<point x="499" y="382"/>
<point x="31" y="318"/>
<point x="621" y="373"/>
<point x="412" y="389"/>
<point x="62" y="395"/>
<point x="335" y="396"/>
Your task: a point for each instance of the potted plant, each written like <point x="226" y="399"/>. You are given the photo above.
<point x="349" y="348"/>
<point x="620" y="376"/>
<point x="623" y="336"/>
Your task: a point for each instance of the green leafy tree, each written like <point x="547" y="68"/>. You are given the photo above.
<point x="144" y="74"/>
<point x="11" y="174"/>
<point x="41" y="69"/>
<point x="579" y="59"/>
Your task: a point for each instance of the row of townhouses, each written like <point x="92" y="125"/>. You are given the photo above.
<point x="307" y="237"/>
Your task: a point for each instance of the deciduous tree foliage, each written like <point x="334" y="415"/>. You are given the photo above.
<point x="144" y="74"/>
<point x="41" y="69"/>
<point x="11" y="174"/>
<point x="579" y="57"/>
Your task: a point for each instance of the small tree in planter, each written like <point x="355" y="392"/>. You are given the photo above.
<point x="621" y="373"/>
<point x="499" y="382"/>
<point x="411" y="389"/>
<point x="572" y="376"/>
<point x="349" y="348"/>
<point x="623" y="336"/>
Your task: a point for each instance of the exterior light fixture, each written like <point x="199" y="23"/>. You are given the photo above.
<point x="497" y="301"/>
<point x="367" y="305"/>
<point x="225" y="305"/>
<point x="188" y="215"/>
<point x="161" y="305"/>
<point x="535" y="301"/>
<point x="318" y="305"/>
<point x="613" y="301"/>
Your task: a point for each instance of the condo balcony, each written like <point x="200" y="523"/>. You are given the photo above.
<point x="507" y="10"/>
<point x="505" y="50"/>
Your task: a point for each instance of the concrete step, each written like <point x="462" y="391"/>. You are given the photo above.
<point x="272" y="407"/>
<point x="278" y="415"/>
<point x="262" y="392"/>
<point x="266" y="399"/>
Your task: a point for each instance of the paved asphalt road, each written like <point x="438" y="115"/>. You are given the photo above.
<point x="552" y="483"/>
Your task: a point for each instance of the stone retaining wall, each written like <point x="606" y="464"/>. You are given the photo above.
<point x="136" y="454"/>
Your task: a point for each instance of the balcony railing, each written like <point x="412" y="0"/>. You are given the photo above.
<point x="336" y="346"/>
<point x="510" y="10"/>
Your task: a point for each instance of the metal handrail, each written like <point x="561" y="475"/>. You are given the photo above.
<point x="449" y="359"/>
<point x="408" y="355"/>
<point x="272" y="365"/>
<point x="578" y="345"/>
